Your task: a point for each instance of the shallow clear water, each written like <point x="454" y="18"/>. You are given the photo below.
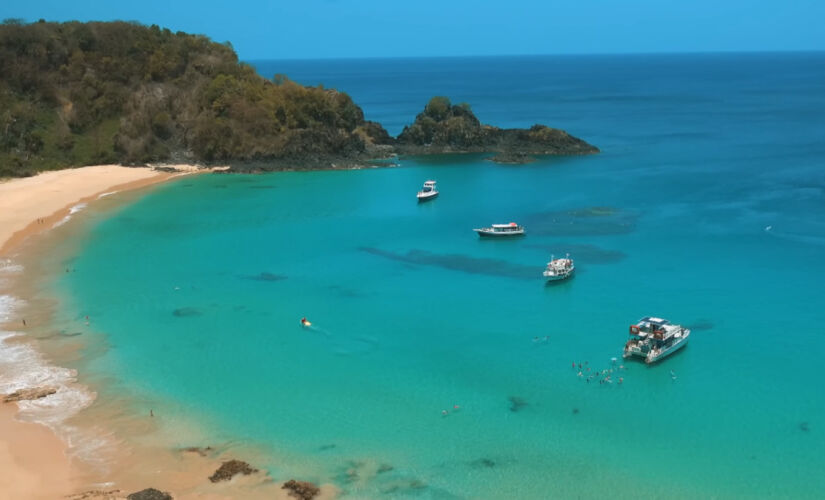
<point x="200" y="285"/>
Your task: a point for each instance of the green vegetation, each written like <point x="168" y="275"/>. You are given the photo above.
<point x="75" y="94"/>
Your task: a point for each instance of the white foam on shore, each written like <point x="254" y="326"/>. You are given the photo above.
<point x="103" y="195"/>
<point x="23" y="367"/>
<point x="75" y="209"/>
<point x="62" y="221"/>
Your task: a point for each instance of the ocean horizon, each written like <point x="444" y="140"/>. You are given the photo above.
<point x="441" y="365"/>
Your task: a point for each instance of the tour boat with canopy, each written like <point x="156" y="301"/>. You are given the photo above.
<point x="511" y="229"/>
<point x="559" y="269"/>
<point x="654" y="339"/>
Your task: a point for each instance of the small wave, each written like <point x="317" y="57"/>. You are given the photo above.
<point x="103" y="195"/>
<point x="7" y="269"/>
<point x="7" y="266"/>
<point x="62" y="221"/>
<point x="77" y="208"/>
<point x="23" y="367"/>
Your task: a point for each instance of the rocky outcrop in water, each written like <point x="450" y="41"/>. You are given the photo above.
<point x="230" y="468"/>
<point x="446" y="128"/>
<point x="149" y="494"/>
<point x="301" y="489"/>
<point x="29" y="394"/>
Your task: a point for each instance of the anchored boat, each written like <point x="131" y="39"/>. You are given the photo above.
<point x="428" y="192"/>
<point x="511" y="229"/>
<point x="559" y="269"/>
<point x="654" y="339"/>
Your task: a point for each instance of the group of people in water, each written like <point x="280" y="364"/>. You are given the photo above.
<point x="605" y="376"/>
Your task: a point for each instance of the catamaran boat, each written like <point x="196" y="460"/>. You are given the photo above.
<point x="511" y="229"/>
<point x="559" y="269"/>
<point x="654" y="339"/>
<point x="428" y="192"/>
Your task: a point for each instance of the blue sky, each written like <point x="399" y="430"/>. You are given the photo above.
<point x="309" y="29"/>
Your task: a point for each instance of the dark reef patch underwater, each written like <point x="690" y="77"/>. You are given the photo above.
<point x="458" y="262"/>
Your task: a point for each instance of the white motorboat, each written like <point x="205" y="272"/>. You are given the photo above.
<point x="559" y="269"/>
<point x="428" y="192"/>
<point x="654" y="339"/>
<point x="511" y="229"/>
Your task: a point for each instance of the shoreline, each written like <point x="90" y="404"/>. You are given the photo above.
<point x="34" y="455"/>
<point x="39" y="456"/>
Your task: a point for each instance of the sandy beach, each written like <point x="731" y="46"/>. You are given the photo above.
<point x="32" y="458"/>
<point x="34" y="462"/>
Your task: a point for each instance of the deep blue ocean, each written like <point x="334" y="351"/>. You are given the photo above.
<point x="706" y="206"/>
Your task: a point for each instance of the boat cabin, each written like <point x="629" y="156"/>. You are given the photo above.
<point x="655" y="328"/>
<point x="506" y="228"/>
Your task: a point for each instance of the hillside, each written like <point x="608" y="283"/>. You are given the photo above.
<point x="75" y="94"/>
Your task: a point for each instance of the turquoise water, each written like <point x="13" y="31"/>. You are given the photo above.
<point x="200" y="285"/>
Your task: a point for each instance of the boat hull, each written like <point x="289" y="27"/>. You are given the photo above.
<point x="422" y="197"/>
<point x="499" y="234"/>
<point x="658" y="355"/>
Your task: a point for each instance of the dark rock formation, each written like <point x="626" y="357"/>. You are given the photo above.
<point x="28" y="394"/>
<point x="301" y="489"/>
<point x="446" y="128"/>
<point x="149" y="494"/>
<point x="230" y="468"/>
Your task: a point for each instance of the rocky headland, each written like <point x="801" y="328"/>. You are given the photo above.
<point x="75" y="94"/>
